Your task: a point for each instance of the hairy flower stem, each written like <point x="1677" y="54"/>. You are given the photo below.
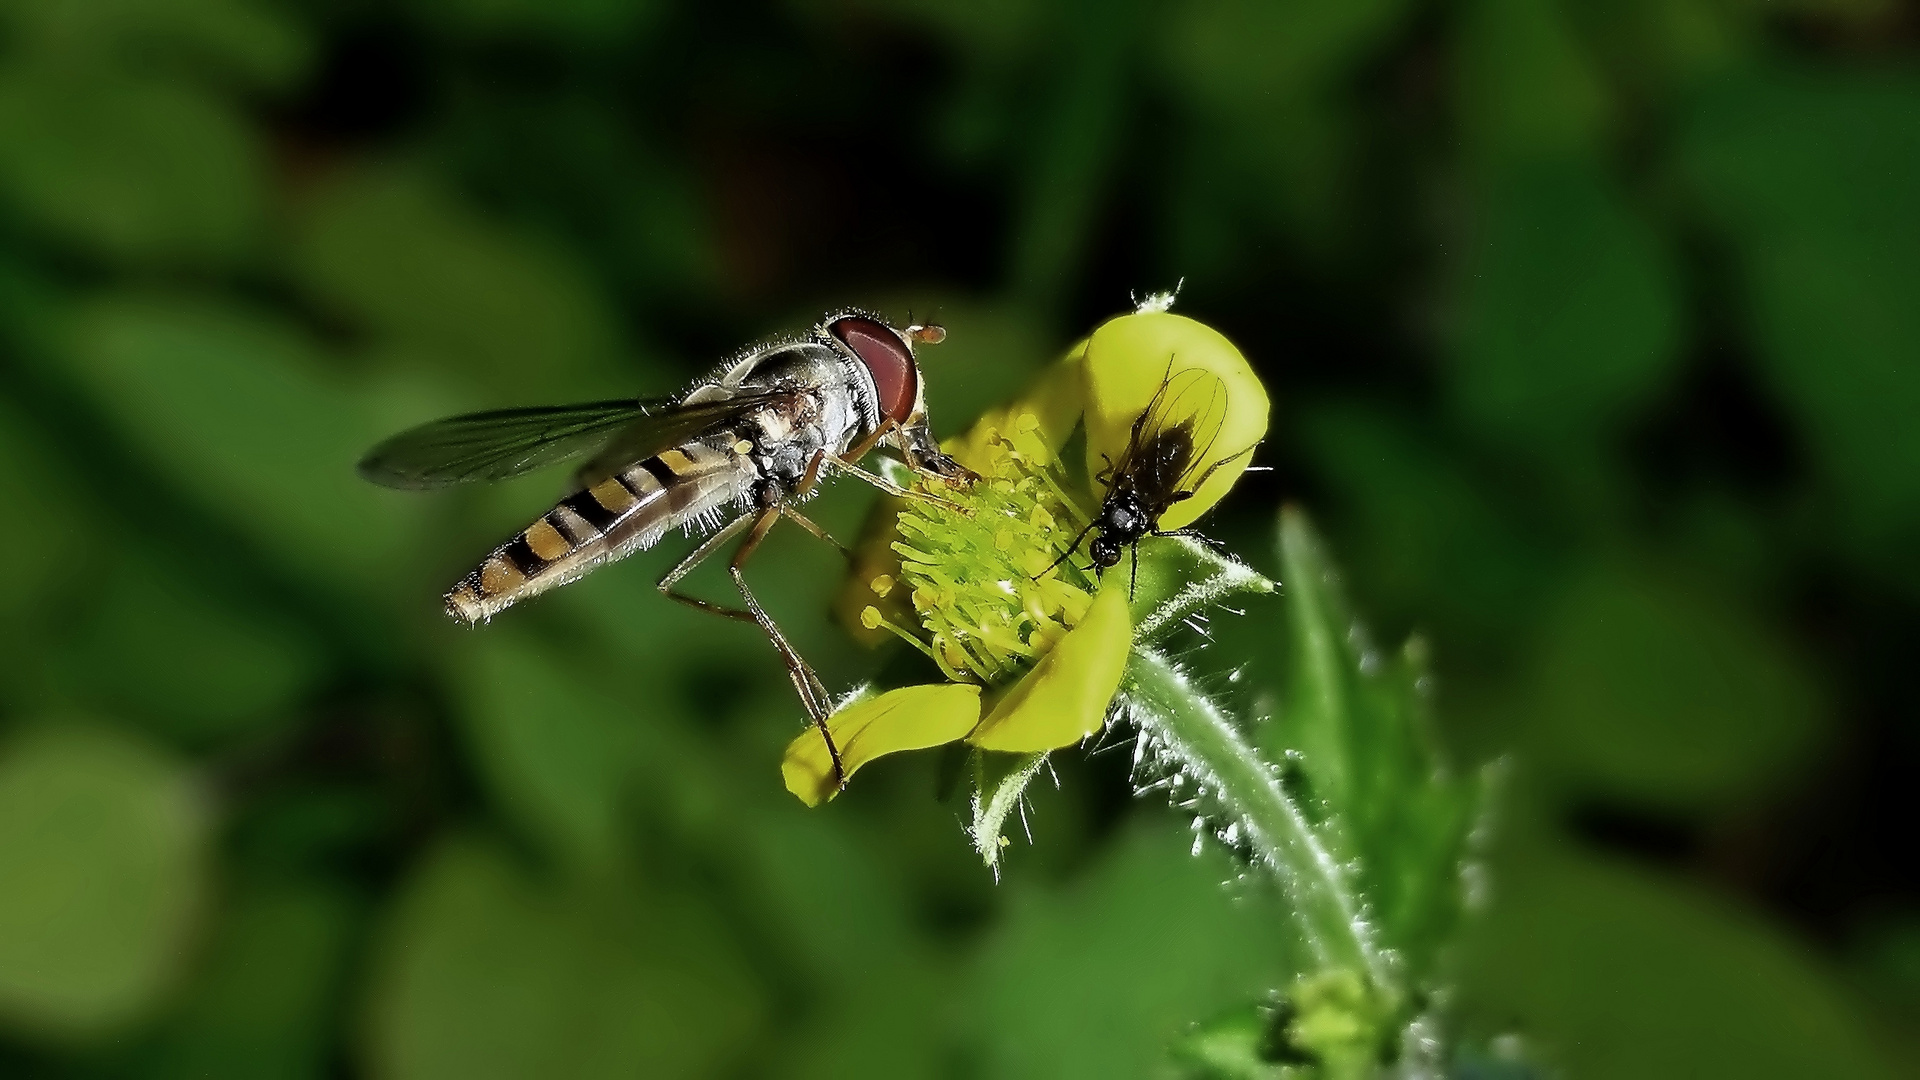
<point x="1182" y="724"/>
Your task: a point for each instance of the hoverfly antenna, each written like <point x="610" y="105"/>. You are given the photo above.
<point x="928" y="334"/>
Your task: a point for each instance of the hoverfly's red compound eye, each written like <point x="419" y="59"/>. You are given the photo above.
<point x="895" y="378"/>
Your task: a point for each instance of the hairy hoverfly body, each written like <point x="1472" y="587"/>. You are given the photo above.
<point x="1169" y="454"/>
<point x="754" y="439"/>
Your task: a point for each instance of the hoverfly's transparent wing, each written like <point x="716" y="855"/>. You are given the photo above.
<point x="1173" y="444"/>
<point x="646" y="436"/>
<point x="505" y="443"/>
<point x="495" y="445"/>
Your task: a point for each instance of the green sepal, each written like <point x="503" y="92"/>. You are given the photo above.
<point x="1000" y="781"/>
<point x="1179" y="577"/>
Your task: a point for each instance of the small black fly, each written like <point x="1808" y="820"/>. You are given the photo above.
<point x="1169" y="455"/>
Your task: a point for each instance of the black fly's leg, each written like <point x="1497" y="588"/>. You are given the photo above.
<point x="1071" y="548"/>
<point x="813" y="693"/>
<point x="1211" y="469"/>
<point x="1105" y="476"/>
<point x="1192" y="534"/>
<point x="1133" y="569"/>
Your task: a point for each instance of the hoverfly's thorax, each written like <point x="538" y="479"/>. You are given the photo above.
<point x="833" y="410"/>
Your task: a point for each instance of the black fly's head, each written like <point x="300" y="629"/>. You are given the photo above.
<point x="1105" y="551"/>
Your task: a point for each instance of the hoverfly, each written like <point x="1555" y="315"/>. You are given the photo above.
<point x="753" y="440"/>
<point x="1169" y="455"/>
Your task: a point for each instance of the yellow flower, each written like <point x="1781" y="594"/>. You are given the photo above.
<point x="1027" y="638"/>
<point x="1064" y="698"/>
<point x="910" y="718"/>
<point x="1127" y="360"/>
<point x="1032" y="646"/>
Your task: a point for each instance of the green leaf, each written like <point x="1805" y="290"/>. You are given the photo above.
<point x="1624" y="974"/>
<point x="1242" y="1045"/>
<point x="1095" y="979"/>
<point x="556" y="753"/>
<point x="1662" y="694"/>
<point x="1000" y="783"/>
<point x="391" y="250"/>
<point x="133" y="169"/>
<point x="263" y="1003"/>
<point x="486" y="971"/>
<point x="157" y="647"/>
<point x="1343" y="799"/>
<point x="243" y="412"/>
<point x="103" y="849"/>
<point x="1810" y="177"/>
<point x="1355" y="726"/>
<point x="1571" y="312"/>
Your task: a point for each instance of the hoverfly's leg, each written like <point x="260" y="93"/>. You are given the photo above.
<point x="813" y="693"/>
<point x="811" y="478"/>
<point x="844" y="465"/>
<point x="808" y="524"/>
<point x="699" y="555"/>
<point x="865" y="446"/>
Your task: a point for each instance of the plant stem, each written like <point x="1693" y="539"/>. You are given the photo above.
<point x="1183" y="724"/>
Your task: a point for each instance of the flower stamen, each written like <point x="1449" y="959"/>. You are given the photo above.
<point x="984" y="580"/>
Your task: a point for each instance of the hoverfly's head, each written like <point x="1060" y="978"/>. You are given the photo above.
<point x="1105" y="551"/>
<point x="899" y="392"/>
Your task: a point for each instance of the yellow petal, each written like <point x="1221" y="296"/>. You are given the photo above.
<point x="910" y="718"/>
<point x="1127" y="360"/>
<point x="874" y="560"/>
<point x="1055" y="399"/>
<point x="1065" y="697"/>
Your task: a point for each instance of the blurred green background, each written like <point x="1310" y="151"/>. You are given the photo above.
<point x="1594" y="335"/>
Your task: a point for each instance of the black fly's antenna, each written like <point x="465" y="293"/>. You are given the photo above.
<point x="1071" y="548"/>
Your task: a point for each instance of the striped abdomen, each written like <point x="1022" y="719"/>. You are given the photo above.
<point x="626" y="512"/>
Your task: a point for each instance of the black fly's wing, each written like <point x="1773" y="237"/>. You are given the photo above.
<point x="505" y="443"/>
<point x="1172" y="444"/>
